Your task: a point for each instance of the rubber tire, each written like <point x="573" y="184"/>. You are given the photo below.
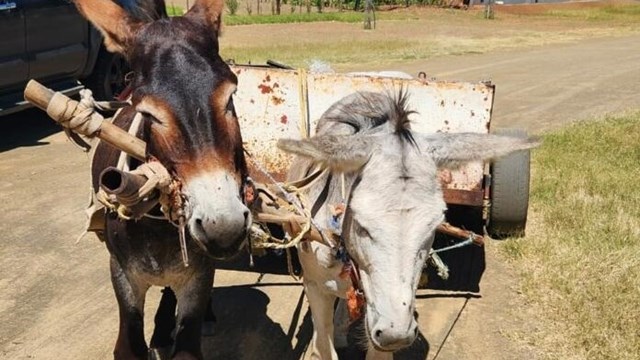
<point x="108" y="77"/>
<point x="510" y="177"/>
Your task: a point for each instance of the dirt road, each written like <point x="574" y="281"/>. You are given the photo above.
<point x="56" y="300"/>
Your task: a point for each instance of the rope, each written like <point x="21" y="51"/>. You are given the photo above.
<point x="265" y="239"/>
<point x="124" y="158"/>
<point x="455" y="246"/>
<point x="436" y="261"/>
<point x="304" y="103"/>
<point x="80" y="116"/>
<point x="293" y="200"/>
<point x="441" y="267"/>
<point x="157" y="178"/>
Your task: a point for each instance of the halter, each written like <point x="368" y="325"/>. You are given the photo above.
<point x="355" y="294"/>
<point x="83" y="119"/>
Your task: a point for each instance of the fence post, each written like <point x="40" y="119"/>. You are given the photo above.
<point x="369" y="15"/>
<point x="488" y="9"/>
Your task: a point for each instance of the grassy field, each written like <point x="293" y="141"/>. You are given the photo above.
<point x="580" y="260"/>
<point x="610" y="12"/>
<point x="418" y="33"/>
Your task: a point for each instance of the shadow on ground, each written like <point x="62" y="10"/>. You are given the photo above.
<point x="26" y="128"/>
<point x="244" y="331"/>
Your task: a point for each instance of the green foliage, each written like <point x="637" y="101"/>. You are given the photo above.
<point x="232" y="6"/>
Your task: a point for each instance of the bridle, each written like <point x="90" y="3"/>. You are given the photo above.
<point x="355" y="295"/>
<point x="172" y="201"/>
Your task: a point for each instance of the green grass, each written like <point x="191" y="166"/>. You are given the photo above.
<point x="346" y="17"/>
<point x="621" y="12"/>
<point x="581" y="258"/>
<point x="335" y="53"/>
<point x="173" y="10"/>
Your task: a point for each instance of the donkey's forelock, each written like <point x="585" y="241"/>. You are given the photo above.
<point x="368" y="111"/>
<point x="350" y="129"/>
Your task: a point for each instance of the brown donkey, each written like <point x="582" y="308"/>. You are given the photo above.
<point x="183" y="90"/>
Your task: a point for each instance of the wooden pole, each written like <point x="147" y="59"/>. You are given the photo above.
<point x="41" y="96"/>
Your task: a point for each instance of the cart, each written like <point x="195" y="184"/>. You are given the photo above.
<point x="275" y="102"/>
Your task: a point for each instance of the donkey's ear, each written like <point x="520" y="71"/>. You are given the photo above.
<point x="453" y="150"/>
<point x="114" y="23"/>
<point x="340" y="153"/>
<point x="209" y="12"/>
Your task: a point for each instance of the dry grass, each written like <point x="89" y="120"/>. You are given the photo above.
<point x="581" y="258"/>
<point x="421" y="34"/>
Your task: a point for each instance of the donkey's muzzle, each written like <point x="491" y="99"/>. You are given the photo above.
<point x="224" y="230"/>
<point x="387" y="337"/>
<point x="219" y="221"/>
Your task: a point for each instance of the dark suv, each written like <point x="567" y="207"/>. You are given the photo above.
<point x="50" y="41"/>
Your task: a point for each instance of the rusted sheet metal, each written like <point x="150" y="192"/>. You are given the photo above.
<point x="268" y="102"/>
<point x="464" y="197"/>
<point x="439" y="106"/>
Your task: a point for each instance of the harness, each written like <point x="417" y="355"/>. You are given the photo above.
<point x="274" y="204"/>
<point x="283" y="204"/>
<point x="159" y="186"/>
<point x="304" y="227"/>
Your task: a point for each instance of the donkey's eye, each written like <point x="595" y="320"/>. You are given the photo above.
<point x="230" y="109"/>
<point x="151" y="118"/>
<point x="360" y="230"/>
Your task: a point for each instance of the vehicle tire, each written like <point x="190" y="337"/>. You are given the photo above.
<point x="509" y="191"/>
<point x="108" y="77"/>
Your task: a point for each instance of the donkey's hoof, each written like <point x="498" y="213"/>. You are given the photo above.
<point x="207" y="328"/>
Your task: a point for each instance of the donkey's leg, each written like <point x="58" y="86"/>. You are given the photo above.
<point x="192" y="305"/>
<point x="321" y="304"/>
<point x="130" y="296"/>
<point x="165" y="320"/>
<point x="209" y="319"/>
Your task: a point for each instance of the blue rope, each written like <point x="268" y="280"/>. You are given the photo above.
<point x="467" y="242"/>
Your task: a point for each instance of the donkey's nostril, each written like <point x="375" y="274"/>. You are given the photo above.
<point x="378" y="333"/>
<point x="199" y="224"/>
<point x="246" y="216"/>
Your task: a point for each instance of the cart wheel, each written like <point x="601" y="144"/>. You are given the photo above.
<point x="509" y="191"/>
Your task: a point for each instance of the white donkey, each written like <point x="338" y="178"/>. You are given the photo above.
<point x="386" y="178"/>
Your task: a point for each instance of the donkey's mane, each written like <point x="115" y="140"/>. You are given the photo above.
<point x="369" y="111"/>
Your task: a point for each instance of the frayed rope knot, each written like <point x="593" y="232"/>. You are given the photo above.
<point x="80" y="117"/>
